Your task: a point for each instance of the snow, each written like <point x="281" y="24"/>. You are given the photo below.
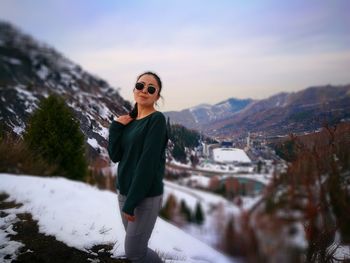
<point x="18" y="129"/>
<point x="13" y="61"/>
<point x="81" y="216"/>
<point x="93" y="143"/>
<point x="103" y="131"/>
<point x="104" y="111"/>
<point x="342" y="253"/>
<point x="43" y="72"/>
<point x="188" y="165"/>
<point x="230" y="155"/>
<point x="29" y="99"/>
<point x="199" y="180"/>
<point x="11" y="110"/>
<point x="8" y="247"/>
<point x="215" y="218"/>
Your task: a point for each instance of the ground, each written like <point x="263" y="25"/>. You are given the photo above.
<point x="40" y="248"/>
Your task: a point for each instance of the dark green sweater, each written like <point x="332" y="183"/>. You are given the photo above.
<point x="139" y="147"/>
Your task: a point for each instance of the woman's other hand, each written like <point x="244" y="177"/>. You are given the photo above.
<point x="124" y="119"/>
<point x="129" y="217"/>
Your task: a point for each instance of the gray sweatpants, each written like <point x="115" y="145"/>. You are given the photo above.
<point x="139" y="231"/>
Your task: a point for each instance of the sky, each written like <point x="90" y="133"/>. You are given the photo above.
<point x="204" y="51"/>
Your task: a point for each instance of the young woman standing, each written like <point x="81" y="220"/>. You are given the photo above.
<point x="138" y="141"/>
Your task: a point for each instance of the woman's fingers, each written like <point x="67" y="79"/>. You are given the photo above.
<point x="124" y="119"/>
<point x="129" y="217"/>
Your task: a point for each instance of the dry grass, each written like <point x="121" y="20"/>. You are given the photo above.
<point x="16" y="158"/>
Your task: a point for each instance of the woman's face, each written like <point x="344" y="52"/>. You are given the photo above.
<point x="142" y="97"/>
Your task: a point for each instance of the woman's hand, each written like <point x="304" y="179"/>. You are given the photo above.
<point x="129" y="217"/>
<point x="124" y="119"/>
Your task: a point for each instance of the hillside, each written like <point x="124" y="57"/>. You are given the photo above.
<point x="31" y="70"/>
<point x="82" y="217"/>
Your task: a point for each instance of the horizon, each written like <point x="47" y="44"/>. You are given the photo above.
<point x="204" y="52"/>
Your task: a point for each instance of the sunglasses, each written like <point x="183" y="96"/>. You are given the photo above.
<point x="140" y="86"/>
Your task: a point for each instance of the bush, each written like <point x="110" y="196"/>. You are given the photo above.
<point x="16" y="158"/>
<point x="54" y="134"/>
<point x="168" y="211"/>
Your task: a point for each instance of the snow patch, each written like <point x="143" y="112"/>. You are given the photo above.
<point x="93" y="143"/>
<point x="81" y="216"/>
<point x="43" y="72"/>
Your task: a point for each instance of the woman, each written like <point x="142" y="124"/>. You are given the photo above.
<point x="138" y="141"/>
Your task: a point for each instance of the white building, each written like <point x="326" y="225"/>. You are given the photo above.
<point x="230" y="155"/>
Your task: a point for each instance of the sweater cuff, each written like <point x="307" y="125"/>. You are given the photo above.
<point x="128" y="210"/>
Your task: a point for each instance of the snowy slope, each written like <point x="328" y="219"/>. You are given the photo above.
<point x="81" y="216"/>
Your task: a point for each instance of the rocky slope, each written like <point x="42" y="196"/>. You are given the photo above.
<point x="31" y="70"/>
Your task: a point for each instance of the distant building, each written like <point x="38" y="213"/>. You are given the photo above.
<point x="226" y="144"/>
<point x="230" y="155"/>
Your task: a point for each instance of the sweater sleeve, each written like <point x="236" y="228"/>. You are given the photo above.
<point x="114" y="141"/>
<point x="148" y="164"/>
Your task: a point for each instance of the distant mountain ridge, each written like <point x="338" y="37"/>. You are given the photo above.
<point x="197" y="117"/>
<point x="280" y="114"/>
<point x="30" y="71"/>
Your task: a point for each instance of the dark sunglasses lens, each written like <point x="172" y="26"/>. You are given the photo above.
<point x="151" y="90"/>
<point x="139" y="86"/>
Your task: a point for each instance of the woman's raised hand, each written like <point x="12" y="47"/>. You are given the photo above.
<point x="124" y="119"/>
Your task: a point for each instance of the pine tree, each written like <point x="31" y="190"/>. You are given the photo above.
<point x="54" y="134"/>
<point x="179" y="152"/>
<point x="185" y="211"/>
<point x="199" y="216"/>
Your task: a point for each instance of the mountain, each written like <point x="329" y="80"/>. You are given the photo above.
<point x="280" y="114"/>
<point x="30" y="71"/>
<point x="285" y="113"/>
<point x="198" y="117"/>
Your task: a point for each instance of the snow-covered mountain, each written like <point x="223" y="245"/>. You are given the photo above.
<point x="31" y="70"/>
<point x="280" y="114"/>
<point x="199" y="116"/>
<point x="81" y="216"/>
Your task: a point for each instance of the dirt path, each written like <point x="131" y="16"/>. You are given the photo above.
<point x="40" y="248"/>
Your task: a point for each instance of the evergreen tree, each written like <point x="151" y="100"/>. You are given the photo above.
<point x="199" y="216"/>
<point x="54" y="134"/>
<point x="185" y="211"/>
<point x="168" y="126"/>
<point x="179" y="152"/>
